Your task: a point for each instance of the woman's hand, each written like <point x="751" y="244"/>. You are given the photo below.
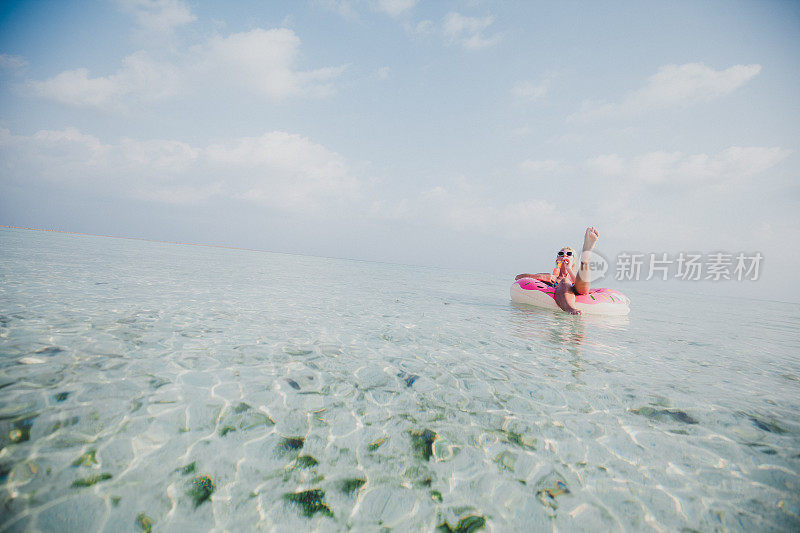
<point x="567" y="271"/>
<point x="565" y="266"/>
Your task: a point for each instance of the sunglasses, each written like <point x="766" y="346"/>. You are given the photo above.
<point x="562" y="253"/>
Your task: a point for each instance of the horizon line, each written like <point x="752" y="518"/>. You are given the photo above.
<point x="228" y="247"/>
<point x="142" y="239"/>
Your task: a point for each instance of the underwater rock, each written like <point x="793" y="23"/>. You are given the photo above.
<point x="144" y="522"/>
<point x="295" y="350"/>
<point x="291" y="444"/>
<point x="422" y="442"/>
<point x="91" y="480"/>
<point x="136" y="404"/>
<point x="71" y="421"/>
<point x="549" y="487"/>
<point x="468" y="524"/>
<point x="548" y="495"/>
<point x="506" y="460"/>
<point x="200" y="490"/>
<point x="763" y="448"/>
<point x="408" y="379"/>
<point x="523" y="441"/>
<point x="419" y="475"/>
<point x="766" y="425"/>
<point x="157" y="383"/>
<point x="664" y="415"/>
<point x="306" y="461"/>
<point x="188" y="469"/>
<point x="374" y="445"/>
<point x="88" y="458"/>
<point x="253" y="419"/>
<point x="61" y="396"/>
<point x="21" y="429"/>
<point x="67" y="440"/>
<point x="309" y="502"/>
<point x="242" y="417"/>
<point x="49" y="350"/>
<point x="351" y="485"/>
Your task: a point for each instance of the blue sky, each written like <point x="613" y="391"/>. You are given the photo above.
<point x="465" y="134"/>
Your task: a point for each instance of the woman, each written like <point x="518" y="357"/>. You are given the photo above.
<point x="564" y="279"/>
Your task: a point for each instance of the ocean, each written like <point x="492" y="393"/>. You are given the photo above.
<point x="148" y="385"/>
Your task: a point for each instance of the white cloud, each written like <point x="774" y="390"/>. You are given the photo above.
<point x="12" y="62"/>
<point x="344" y="8"/>
<point x="280" y="169"/>
<point x="468" y="32"/>
<point x="423" y="27"/>
<point x="632" y="201"/>
<point x="685" y="84"/>
<point x="468" y="211"/>
<point x="283" y="171"/>
<point x="675" y="86"/>
<point x="394" y="8"/>
<point x="139" y="80"/>
<point x="50" y="155"/>
<point x="465" y="208"/>
<point x="349" y="9"/>
<point x="606" y="165"/>
<point x="181" y="195"/>
<point x="544" y="166"/>
<point x="159" y="155"/>
<point x="733" y="164"/>
<point x="158" y="18"/>
<point x="259" y="61"/>
<point x="75" y="87"/>
<point x="263" y="61"/>
<point x="529" y="90"/>
<point x="383" y="73"/>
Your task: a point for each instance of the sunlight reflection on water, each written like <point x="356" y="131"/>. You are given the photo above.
<point x="191" y="387"/>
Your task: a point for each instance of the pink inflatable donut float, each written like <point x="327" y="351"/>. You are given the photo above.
<point x="596" y="302"/>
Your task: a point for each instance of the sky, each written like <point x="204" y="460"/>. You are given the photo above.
<point x="459" y="134"/>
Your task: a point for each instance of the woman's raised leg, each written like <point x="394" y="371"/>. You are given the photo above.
<point x="583" y="278"/>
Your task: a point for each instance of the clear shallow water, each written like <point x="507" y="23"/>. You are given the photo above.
<point x="189" y="387"/>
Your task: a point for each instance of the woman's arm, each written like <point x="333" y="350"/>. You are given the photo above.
<point x="541" y="276"/>
<point x="567" y="271"/>
<point x="570" y="275"/>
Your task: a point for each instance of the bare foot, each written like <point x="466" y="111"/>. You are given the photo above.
<point x="590" y="238"/>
